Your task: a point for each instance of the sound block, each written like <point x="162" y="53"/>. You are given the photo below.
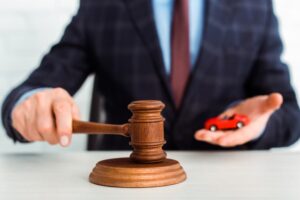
<point x="123" y="172"/>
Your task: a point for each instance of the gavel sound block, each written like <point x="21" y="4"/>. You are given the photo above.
<point x="147" y="165"/>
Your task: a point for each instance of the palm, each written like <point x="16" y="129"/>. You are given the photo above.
<point x="258" y="109"/>
<point x="256" y="106"/>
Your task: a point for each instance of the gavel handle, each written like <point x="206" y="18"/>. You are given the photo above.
<point x="98" y="128"/>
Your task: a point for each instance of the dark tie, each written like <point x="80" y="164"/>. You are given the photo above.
<point x="180" y="56"/>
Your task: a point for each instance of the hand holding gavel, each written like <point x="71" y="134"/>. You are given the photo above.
<point x="46" y="116"/>
<point x="52" y="116"/>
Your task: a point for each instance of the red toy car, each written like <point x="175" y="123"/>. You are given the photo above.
<point x="234" y="122"/>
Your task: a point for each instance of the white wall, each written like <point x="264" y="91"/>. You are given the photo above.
<point x="28" y="28"/>
<point x="289" y="16"/>
<point x="289" y="19"/>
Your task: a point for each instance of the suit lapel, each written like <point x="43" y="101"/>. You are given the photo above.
<point x="216" y="19"/>
<point x="217" y="15"/>
<point x="142" y="16"/>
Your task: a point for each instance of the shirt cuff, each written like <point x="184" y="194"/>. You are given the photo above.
<point x="29" y="94"/>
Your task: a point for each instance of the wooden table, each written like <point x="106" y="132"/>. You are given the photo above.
<point x="211" y="175"/>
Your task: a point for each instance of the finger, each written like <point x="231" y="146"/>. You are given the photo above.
<point x="45" y="122"/>
<point x="208" y="136"/>
<point x="75" y="112"/>
<point x="228" y="112"/>
<point x="234" y="139"/>
<point x="18" y="122"/>
<point x="274" y="101"/>
<point x="242" y="135"/>
<point x="29" y="118"/>
<point x="63" y="120"/>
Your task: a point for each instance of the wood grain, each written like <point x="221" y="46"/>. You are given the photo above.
<point x="99" y="128"/>
<point x="123" y="172"/>
<point x="145" y="129"/>
<point x="147" y="165"/>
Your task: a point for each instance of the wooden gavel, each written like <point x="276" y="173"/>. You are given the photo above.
<point x="145" y="128"/>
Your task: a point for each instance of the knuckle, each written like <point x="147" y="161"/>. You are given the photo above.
<point x="50" y="138"/>
<point x="60" y="91"/>
<point x="33" y="136"/>
<point x="40" y="96"/>
<point x="26" y="137"/>
<point x="26" y="103"/>
<point x="61" y="106"/>
<point x="36" y="138"/>
<point x="52" y="141"/>
<point x="44" y="128"/>
<point x="16" y="114"/>
<point x="30" y="132"/>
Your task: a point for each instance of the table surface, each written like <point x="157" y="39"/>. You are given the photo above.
<point x="211" y="175"/>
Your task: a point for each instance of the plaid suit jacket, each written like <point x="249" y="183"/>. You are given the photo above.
<point x="117" y="41"/>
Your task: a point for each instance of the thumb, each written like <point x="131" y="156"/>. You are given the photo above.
<point x="274" y="101"/>
<point x="63" y="119"/>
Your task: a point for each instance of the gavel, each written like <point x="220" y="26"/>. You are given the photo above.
<point x="145" y="129"/>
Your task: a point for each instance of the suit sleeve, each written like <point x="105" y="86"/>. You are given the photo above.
<point x="270" y="74"/>
<point x="66" y="66"/>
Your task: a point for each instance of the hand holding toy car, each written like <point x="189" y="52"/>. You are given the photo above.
<point x="258" y="109"/>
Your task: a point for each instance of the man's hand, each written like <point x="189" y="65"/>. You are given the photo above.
<point x="258" y="109"/>
<point x="46" y="116"/>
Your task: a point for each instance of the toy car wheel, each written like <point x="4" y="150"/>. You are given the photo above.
<point x="213" y="128"/>
<point x="239" y="124"/>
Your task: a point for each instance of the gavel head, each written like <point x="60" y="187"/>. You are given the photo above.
<point x="147" y="131"/>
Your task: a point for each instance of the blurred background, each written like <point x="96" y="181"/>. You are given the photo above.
<point x="28" y="28"/>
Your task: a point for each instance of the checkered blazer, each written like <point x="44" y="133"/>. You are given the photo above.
<point x="117" y="40"/>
